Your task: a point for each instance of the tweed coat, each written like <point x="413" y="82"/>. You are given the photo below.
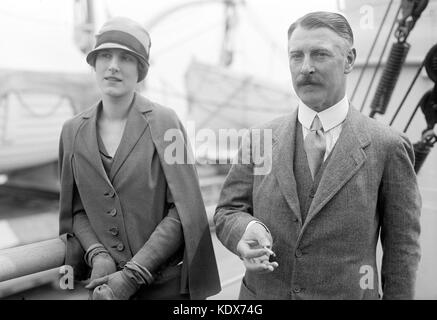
<point x="368" y="189"/>
<point x="110" y="201"/>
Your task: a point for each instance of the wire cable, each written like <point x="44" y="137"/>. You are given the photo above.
<point x="380" y="59"/>
<point x="371" y="50"/>
<point x="407" y="93"/>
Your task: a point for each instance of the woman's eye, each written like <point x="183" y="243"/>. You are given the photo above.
<point x="105" y="55"/>
<point x="128" y="58"/>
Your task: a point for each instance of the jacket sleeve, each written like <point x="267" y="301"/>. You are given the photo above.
<point x="81" y="225"/>
<point x="164" y="242"/>
<point x="399" y="204"/>
<point x="73" y="249"/>
<point x="235" y="209"/>
<point x="199" y="270"/>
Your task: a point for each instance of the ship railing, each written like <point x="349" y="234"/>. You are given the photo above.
<point x="36" y="271"/>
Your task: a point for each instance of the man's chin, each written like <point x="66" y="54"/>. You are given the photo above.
<point x="311" y="101"/>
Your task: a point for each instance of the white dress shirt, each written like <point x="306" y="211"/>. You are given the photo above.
<point x="332" y="121"/>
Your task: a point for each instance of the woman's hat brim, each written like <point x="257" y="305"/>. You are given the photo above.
<point x="90" y="58"/>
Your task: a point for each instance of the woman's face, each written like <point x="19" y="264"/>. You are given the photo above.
<point x="116" y="72"/>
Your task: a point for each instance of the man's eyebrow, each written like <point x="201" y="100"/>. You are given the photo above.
<point x="315" y="49"/>
<point x="321" y="50"/>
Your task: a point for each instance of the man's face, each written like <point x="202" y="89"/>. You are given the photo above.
<point x="319" y="61"/>
<point x="116" y="72"/>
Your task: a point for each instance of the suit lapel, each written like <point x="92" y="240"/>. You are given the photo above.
<point x="87" y="136"/>
<point x="134" y="129"/>
<point x="347" y="158"/>
<point x="282" y="162"/>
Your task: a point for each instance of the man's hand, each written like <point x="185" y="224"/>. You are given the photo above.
<point x="103" y="265"/>
<point x="116" y="286"/>
<point x="254" y="249"/>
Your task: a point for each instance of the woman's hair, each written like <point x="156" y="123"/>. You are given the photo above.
<point x="142" y="68"/>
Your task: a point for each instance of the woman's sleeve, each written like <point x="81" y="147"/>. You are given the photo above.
<point x="81" y="225"/>
<point x="164" y="241"/>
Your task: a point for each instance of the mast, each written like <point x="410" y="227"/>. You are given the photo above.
<point x="231" y="19"/>
<point x="84" y="24"/>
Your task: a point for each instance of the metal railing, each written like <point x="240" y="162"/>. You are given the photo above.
<point x="32" y="271"/>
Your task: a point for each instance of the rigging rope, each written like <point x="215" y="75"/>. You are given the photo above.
<point x="380" y="59"/>
<point x="407" y="93"/>
<point x="371" y="50"/>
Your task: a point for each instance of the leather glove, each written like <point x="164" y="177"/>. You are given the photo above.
<point x="116" y="286"/>
<point x="103" y="265"/>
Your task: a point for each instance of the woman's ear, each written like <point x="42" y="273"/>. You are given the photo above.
<point x="350" y="60"/>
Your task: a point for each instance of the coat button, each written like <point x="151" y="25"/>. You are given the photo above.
<point x="295" y="219"/>
<point x="114" y="231"/>
<point x="109" y="193"/>
<point x="298" y="253"/>
<point x="312" y="193"/>
<point x="120" y="247"/>
<point x="113" y="212"/>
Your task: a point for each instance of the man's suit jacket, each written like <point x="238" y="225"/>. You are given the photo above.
<point x="368" y="188"/>
<point x="125" y="208"/>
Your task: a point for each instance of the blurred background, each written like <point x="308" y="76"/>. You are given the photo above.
<point x="219" y="64"/>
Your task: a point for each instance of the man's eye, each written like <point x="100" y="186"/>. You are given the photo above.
<point x="295" y="56"/>
<point x="321" y="54"/>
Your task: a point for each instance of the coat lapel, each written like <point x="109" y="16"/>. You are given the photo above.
<point x="134" y="129"/>
<point x="282" y="162"/>
<point x="347" y="158"/>
<point x="87" y="136"/>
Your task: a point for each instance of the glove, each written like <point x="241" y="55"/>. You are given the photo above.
<point x="116" y="286"/>
<point x="103" y="265"/>
<point x="103" y="292"/>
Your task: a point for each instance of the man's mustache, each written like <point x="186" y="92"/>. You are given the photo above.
<point x="304" y="81"/>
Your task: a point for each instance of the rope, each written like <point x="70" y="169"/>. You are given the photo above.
<point x="371" y="50"/>
<point x="413" y="114"/>
<point x="407" y="93"/>
<point x="51" y="111"/>
<point x="380" y="59"/>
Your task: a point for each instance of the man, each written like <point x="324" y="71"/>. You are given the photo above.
<point x="137" y="220"/>
<point x="338" y="180"/>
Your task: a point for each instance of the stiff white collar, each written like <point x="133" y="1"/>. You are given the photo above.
<point x="330" y="118"/>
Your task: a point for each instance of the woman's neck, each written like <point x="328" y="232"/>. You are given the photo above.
<point x="116" y="108"/>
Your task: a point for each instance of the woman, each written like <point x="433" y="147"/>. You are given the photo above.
<point x="137" y="220"/>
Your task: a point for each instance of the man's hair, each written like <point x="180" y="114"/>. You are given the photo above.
<point x="323" y="19"/>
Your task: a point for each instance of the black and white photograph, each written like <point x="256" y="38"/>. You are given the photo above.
<point x="219" y="150"/>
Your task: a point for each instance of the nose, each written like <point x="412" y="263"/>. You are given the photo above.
<point x="307" y="66"/>
<point x="113" y="64"/>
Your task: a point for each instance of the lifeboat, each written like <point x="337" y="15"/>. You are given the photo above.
<point x="33" y="107"/>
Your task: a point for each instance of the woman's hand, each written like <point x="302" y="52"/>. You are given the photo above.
<point x="103" y="265"/>
<point x="116" y="286"/>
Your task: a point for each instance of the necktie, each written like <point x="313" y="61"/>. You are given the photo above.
<point x="315" y="146"/>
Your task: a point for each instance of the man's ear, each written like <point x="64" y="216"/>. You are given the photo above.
<point x="350" y="60"/>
